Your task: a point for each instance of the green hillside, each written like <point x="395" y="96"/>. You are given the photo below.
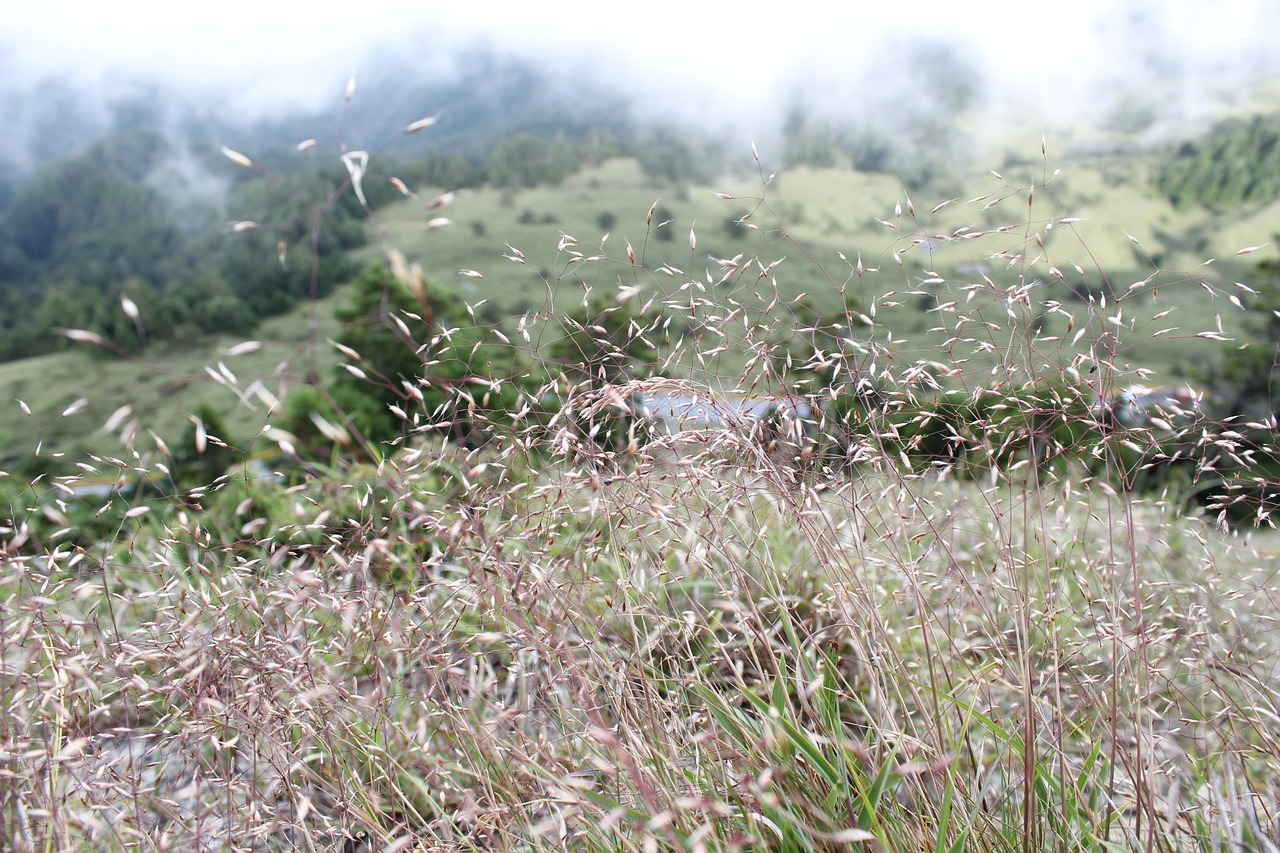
<point x="629" y="512"/>
<point x="1097" y="223"/>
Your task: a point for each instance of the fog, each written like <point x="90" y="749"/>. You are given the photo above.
<point x="1147" y="67"/>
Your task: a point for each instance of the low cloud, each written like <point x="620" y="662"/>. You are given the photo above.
<point x="1139" y="66"/>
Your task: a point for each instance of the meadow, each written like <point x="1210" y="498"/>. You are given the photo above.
<point x="708" y="639"/>
<point x="1097" y="223"/>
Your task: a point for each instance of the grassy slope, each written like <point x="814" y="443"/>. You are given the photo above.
<point x="806" y="216"/>
<point x="693" y="649"/>
<point x="810" y="217"/>
<point x="690" y="655"/>
<point x="163" y="387"/>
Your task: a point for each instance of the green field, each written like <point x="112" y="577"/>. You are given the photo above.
<point x="994" y="625"/>
<point x="810" y="229"/>
<point x="812" y="217"/>
<point x="71" y="395"/>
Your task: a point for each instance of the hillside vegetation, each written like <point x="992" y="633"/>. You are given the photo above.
<point x="1238" y="163"/>
<point x="414" y="565"/>
<point x="1095" y="223"/>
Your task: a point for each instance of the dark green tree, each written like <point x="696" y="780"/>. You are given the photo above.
<point x="606" y="343"/>
<point x="93" y="218"/>
<point x="416" y="352"/>
<point x="815" y="356"/>
<point x="806" y="141"/>
<point x="1246" y="381"/>
<point x="672" y="154"/>
<point x="664" y="224"/>
<point x="314" y="225"/>
<point x="526" y="160"/>
<point x="204" y="450"/>
<point x="389" y="363"/>
<point x="1238" y="161"/>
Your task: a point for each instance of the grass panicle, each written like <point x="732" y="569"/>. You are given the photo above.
<point x="730" y="545"/>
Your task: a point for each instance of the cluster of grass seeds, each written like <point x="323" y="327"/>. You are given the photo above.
<point x="886" y="628"/>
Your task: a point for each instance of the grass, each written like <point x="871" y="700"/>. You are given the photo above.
<point x="806" y="220"/>
<point x="706" y="657"/>
<point x="706" y="640"/>
<point x="167" y="383"/>
<point x="811" y="217"/>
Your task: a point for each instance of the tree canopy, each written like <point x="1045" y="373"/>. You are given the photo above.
<point x="414" y="363"/>
<point x="1239" y="161"/>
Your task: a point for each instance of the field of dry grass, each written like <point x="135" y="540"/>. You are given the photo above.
<point x="696" y="642"/>
<point x="702" y="656"/>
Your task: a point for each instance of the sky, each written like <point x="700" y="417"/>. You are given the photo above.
<point x="1055" y="61"/>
